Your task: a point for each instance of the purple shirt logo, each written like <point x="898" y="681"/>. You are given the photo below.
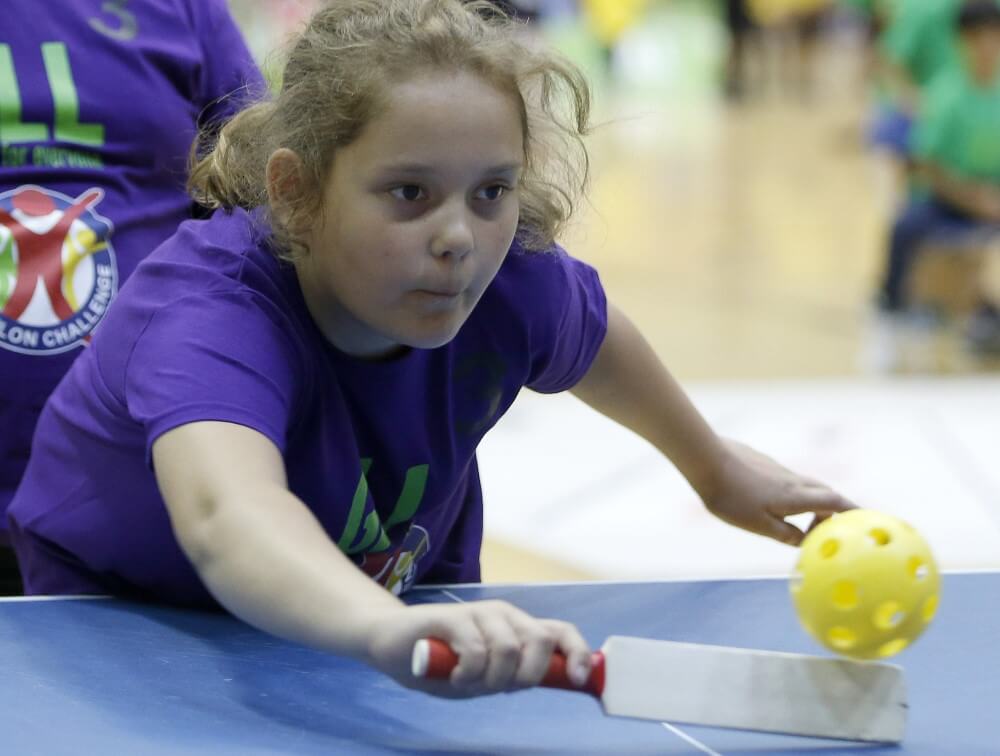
<point x="57" y="269"/>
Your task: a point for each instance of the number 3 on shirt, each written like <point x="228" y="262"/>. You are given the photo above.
<point x="127" y="26"/>
<point x="66" y="126"/>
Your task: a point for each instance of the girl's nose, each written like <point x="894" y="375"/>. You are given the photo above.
<point x="453" y="238"/>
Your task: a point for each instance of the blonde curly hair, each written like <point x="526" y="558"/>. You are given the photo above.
<point x="335" y="78"/>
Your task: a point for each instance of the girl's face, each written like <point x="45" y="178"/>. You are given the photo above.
<point x="418" y="215"/>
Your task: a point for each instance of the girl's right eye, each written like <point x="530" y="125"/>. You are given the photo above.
<point x="408" y="193"/>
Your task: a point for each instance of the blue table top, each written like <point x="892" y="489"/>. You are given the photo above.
<point x="103" y="675"/>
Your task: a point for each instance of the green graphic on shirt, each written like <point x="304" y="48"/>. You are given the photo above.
<point x="12" y="128"/>
<point x="8" y="270"/>
<point x="357" y="509"/>
<point x="66" y="126"/>
<point x="409" y="501"/>
<point x="375" y="538"/>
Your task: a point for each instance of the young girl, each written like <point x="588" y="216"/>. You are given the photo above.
<point x="287" y="398"/>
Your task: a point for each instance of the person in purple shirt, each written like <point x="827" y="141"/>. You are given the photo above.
<point x="99" y="105"/>
<point x="280" y="415"/>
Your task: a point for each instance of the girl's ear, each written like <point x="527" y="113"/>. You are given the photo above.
<point x="284" y="181"/>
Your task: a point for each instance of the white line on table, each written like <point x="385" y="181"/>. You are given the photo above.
<point x="675" y="730"/>
<point x="688" y="739"/>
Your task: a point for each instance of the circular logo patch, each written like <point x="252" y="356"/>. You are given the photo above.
<point x="57" y="269"/>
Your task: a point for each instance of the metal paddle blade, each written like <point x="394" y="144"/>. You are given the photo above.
<point x="754" y="690"/>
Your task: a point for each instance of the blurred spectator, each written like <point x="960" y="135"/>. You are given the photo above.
<point x="918" y="43"/>
<point x="101" y="105"/>
<point x="957" y="143"/>
<point x="791" y="28"/>
<point x="741" y="28"/>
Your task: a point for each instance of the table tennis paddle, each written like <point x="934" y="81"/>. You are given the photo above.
<point x="719" y="686"/>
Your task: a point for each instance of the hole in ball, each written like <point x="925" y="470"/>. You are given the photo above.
<point x="888" y="615"/>
<point x="829" y="548"/>
<point x="930" y="608"/>
<point x="879" y="537"/>
<point x="845" y="595"/>
<point x="892" y="648"/>
<point x="918" y="568"/>
<point x="842" y="638"/>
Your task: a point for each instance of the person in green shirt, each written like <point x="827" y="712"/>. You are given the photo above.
<point x="916" y="43"/>
<point x="957" y="145"/>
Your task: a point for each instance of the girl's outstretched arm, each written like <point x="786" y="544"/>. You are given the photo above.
<point x="628" y="383"/>
<point x="265" y="558"/>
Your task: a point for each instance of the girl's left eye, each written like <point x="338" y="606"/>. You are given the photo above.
<point x="408" y="193"/>
<point x="492" y="193"/>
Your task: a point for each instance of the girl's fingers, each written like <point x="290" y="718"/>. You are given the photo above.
<point x="575" y="648"/>
<point x="504" y="628"/>
<point x="822" y="502"/>
<point x="462" y="633"/>
<point x="779" y="530"/>
<point x="516" y="650"/>
<point x="538" y="642"/>
<point x="816" y="521"/>
<point x="819" y="500"/>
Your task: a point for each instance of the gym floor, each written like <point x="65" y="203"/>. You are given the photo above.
<point x="745" y="240"/>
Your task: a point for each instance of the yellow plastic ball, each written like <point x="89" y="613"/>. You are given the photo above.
<point x="866" y="584"/>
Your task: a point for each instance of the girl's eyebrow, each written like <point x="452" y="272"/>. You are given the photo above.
<point x="421" y="169"/>
<point x="505" y="168"/>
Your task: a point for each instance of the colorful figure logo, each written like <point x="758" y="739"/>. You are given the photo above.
<point x="397" y="570"/>
<point x="57" y="269"/>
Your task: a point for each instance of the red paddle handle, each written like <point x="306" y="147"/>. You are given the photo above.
<point x="433" y="658"/>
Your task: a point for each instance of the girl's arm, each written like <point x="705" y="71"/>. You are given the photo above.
<point x="265" y="558"/>
<point x="628" y="383"/>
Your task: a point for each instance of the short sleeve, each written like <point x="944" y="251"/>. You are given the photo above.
<point x="230" y="78"/>
<point x="568" y="324"/>
<point x="214" y="357"/>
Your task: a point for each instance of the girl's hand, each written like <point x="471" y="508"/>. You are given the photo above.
<point x="500" y="647"/>
<point x="753" y="492"/>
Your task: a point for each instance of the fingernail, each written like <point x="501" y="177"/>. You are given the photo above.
<point x="578" y="674"/>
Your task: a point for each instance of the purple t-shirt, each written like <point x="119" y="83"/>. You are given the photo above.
<point x="213" y="327"/>
<point x="100" y="103"/>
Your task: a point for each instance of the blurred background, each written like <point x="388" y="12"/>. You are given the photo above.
<point x="752" y="163"/>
